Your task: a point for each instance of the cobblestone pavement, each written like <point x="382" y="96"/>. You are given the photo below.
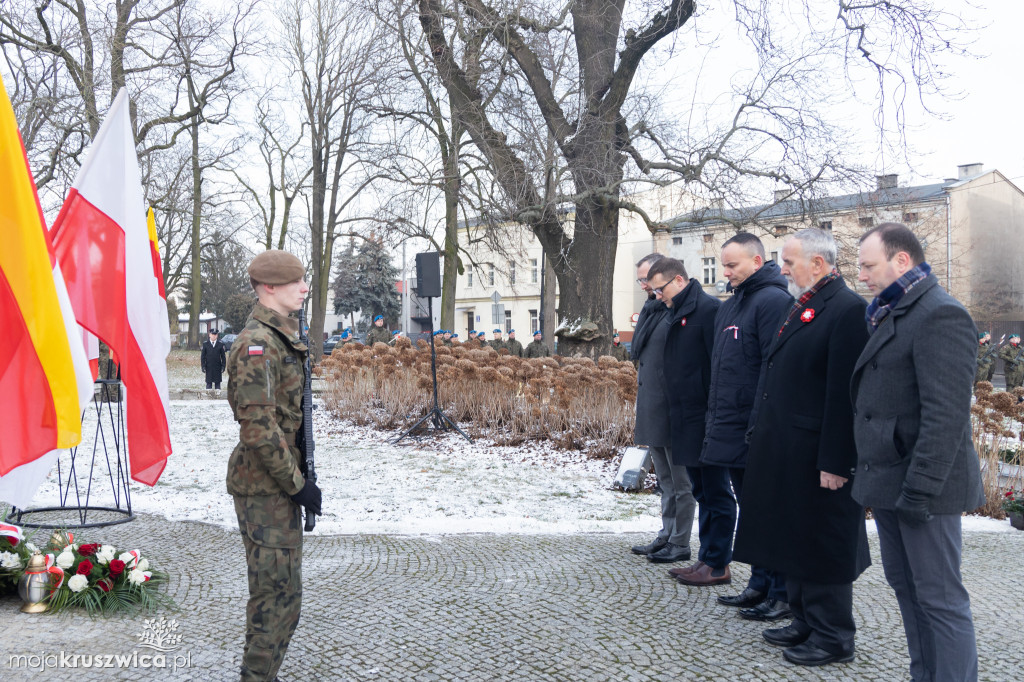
<point x="490" y="607"/>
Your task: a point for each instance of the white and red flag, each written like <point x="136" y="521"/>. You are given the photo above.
<point x="102" y="241"/>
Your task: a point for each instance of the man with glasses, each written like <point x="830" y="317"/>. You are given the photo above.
<point x="654" y="429"/>
<point x="690" y="336"/>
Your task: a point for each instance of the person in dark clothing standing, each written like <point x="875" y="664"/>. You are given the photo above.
<point x="798" y="517"/>
<point x="212" y="360"/>
<point x="654" y="428"/>
<point x="744" y="330"/>
<point x="686" y="361"/>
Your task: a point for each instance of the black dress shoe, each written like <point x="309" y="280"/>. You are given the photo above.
<point x="769" y="609"/>
<point x="786" y="637"/>
<point x="670" y="553"/>
<point x="810" y="655"/>
<point x="745" y="599"/>
<point x="649" y="548"/>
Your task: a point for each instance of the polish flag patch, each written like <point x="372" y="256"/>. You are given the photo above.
<point x="255" y="350"/>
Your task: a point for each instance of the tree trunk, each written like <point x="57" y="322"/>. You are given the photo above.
<point x="585" y="282"/>
<point x="451" y="242"/>
<point x="549" y="300"/>
<point x="195" y="305"/>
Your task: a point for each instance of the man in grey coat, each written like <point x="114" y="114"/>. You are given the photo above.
<point x="916" y="464"/>
<point x="654" y="429"/>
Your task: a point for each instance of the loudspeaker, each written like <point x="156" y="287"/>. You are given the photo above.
<point x="428" y="274"/>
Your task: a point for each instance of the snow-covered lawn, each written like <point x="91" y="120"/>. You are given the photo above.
<point x="441" y="485"/>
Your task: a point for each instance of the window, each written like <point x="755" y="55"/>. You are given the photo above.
<point x="708" y="238"/>
<point x="490" y="274"/>
<point x="508" y="321"/>
<point x="774" y="256"/>
<point x="534" y="322"/>
<point x="780" y="230"/>
<point x="825" y="225"/>
<point x="677" y="241"/>
<point x="469" y="275"/>
<point x="709" y="270"/>
<point x="866" y="222"/>
<point x="909" y="217"/>
<point x="534" y="278"/>
<point x="512" y="272"/>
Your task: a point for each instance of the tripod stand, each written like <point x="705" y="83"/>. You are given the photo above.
<point x="439" y="420"/>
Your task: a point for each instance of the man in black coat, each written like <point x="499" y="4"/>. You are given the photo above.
<point x="213" y="359"/>
<point x="744" y="329"/>
<point x="654" y="428"/>
<point x="798" y="516"/>
<point x="690" y="323"/>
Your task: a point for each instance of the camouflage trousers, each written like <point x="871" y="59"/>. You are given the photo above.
<point x="271" y="527"/>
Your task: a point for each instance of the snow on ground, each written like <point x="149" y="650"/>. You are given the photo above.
<point x="438" y="485"/>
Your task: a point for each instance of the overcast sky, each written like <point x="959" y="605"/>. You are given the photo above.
<point x="985" y="125"/>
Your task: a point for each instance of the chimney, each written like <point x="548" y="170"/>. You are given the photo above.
<point x="969" y="170"/>
<point x="781" y="194"/>
<point x="886" y="181"/>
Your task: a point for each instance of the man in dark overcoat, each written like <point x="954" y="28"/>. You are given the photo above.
<point x="798" y="516"/>
<point x="654" y="429"/>
<point x="916" y="464"/>
<point x="690" y="323"/>
<point x="213" y="359"/>
<point x="744" y="329"/>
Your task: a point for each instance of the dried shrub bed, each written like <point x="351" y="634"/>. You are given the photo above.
<point x="573" y="402"/>
<point x="997" y="421"/>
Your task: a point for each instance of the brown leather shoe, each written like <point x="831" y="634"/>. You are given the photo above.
<point x="676" y="572"/>
<point x="705" y="576"/>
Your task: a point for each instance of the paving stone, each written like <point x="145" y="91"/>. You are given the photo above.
<point x="492" y="607"/>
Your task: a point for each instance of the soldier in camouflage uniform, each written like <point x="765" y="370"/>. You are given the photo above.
<point x="378" y="332"/>
<point x="497" y="343"/>
<point x="514" y="347"/>
<point x="536" y="348"/>
<point x="986" y="365"/>
<point x="265" y="381"/>
<point x="619" y="351"/>
<point x="1013" y="362"/>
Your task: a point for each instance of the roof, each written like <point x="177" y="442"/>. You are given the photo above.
<point x="826" y="205"/>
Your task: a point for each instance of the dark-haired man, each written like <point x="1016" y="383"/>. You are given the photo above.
<point x="654" y="429"/>
<point x="916" y="464"/>
<point x="745" y="328"/>
<point x="212" y="360"/>
<point x="686" y="359"/>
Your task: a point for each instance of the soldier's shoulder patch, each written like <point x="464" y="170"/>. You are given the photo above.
<point x="255" y="350"/>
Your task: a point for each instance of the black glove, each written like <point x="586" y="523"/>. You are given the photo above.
<point x="309" y="497"/>
<point x="912" y="507"/>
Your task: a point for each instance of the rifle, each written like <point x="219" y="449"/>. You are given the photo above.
<point x="304" y="438"/>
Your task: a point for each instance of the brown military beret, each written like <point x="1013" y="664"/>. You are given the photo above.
<point x="276" y="267"/>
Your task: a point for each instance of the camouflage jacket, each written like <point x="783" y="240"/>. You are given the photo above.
<point x="1011" y="357"/>
<point x="536" y="349"/>
<point x="377" y="335"/>
<point x="265" y="378"/>
<point x="619" y="352"/>
<point x="514" y="347"/>
<point x="497" y="345"/>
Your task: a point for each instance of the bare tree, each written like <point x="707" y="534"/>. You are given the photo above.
<point x="331" y="52"/>
<point x="600" y="133"/>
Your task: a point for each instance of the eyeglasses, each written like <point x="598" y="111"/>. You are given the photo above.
<point x="641" y="281"/>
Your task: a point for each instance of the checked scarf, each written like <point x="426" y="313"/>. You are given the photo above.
<point x="883" y="304"/>
<point x="806" y="296"/>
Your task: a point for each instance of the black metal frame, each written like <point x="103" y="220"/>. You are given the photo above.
<point x="118" y="473"/>
<point x="437" y="417"/>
